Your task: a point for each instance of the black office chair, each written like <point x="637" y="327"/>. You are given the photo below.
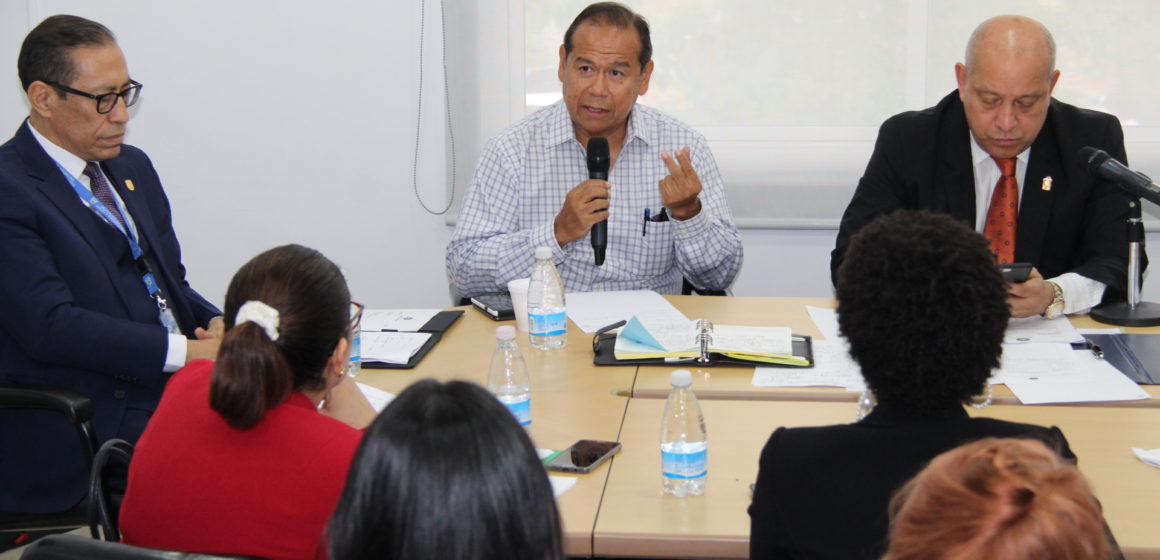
<point x="688" y="289"/>
<point x="18" y="528"/>
<point x="105" y="506"/>
<point x="75" y="547"/>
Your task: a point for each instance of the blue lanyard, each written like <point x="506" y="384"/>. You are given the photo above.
<point x="101" y="210"/>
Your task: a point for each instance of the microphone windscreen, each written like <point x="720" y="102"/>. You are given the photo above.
<point x="1092" y="159"/>
<point x="598" y="157"/>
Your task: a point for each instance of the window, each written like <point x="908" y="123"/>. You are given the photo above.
<point x="791" y="93"/>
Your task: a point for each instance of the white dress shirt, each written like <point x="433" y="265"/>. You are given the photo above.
<point x="1080" y="293"/>
<point x="176" y="351"/>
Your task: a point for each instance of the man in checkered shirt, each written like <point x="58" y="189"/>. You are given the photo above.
<point x="531" y="188"/>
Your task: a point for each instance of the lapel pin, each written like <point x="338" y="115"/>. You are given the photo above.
<point x="129" y="183"/>
<point x="1045" y="186"/>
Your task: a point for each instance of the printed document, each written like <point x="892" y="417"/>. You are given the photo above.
<point x="592" y="311"/>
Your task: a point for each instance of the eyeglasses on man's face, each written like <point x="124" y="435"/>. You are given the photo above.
<point x="106" y="101"/>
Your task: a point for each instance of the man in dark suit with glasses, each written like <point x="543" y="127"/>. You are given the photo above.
<point x="92" y="287"/>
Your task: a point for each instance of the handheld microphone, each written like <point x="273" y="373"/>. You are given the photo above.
<point x="1099" y="164"/>
<point x="598" y="163"/>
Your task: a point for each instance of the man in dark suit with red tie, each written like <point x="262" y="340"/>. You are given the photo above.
<point x="93" y="295"/>
<point x="1000" y="154"/>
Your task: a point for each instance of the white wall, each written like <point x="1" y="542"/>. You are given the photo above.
<point x="277" y="122"/>
<point x="294" y="121"/>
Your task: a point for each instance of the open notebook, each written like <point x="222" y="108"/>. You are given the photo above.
<point x="700" y="342"/>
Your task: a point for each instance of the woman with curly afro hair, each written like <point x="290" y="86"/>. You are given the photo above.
<point x="923" y="307"/>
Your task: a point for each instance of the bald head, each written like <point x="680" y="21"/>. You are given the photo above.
<point x="1003" y="38"/>
<point x="1006" y="83"/>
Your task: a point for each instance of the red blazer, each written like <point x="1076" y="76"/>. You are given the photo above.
<point x="198" y="485"/>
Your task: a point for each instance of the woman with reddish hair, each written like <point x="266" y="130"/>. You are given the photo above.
<point x="997" y="499"/>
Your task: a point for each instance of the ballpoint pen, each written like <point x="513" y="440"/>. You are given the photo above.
<point x="1095" y="348"/>
<point x="1089" y="345"/>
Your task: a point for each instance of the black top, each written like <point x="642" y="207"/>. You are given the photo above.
<point x="823" y="492"/>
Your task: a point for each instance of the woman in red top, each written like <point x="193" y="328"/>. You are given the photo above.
<point x="237" y="459"/>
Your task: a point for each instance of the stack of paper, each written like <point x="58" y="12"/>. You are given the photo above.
<point x="392" y="347"/>
<point x="833" y="366"/>
<point x="1056" y="373"/>
<point x="1039" y="365"/>
<point x="389" y="335"/>
<point x="592" y="311"/>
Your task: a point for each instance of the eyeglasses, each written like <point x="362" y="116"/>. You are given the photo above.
<point x="356" y="312"/>
<point x="106" y="101"/>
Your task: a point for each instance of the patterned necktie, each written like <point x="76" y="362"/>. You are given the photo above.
<point x="999" y="228"/>
<point x="101" y="190"/>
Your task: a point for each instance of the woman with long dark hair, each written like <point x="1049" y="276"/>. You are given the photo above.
<point x="446" y="472"/>
<point x="239" y="458"/>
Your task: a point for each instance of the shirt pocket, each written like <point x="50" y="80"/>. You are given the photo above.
<point x="656" y="252"/>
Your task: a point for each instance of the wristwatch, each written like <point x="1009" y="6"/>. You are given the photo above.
<point x="1055" y="309"/>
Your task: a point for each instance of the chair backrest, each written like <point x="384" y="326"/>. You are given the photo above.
<point x="75" y="547"/>
<point x="102" y="513"/>
<point x="688" y="289"/>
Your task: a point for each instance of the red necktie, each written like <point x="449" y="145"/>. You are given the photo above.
<point x="999" y="228"/>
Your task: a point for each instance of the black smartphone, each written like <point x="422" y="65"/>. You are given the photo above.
<point x="496" y="306"/>
<point x="583" y="456"/>
<point x="1015" y="273"/>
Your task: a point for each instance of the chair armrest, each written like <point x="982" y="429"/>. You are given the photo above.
<point x="75" y="407"/>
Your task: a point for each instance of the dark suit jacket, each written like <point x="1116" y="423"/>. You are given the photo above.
<point x="74" y="313"/>
<point x="922" y="160"/>
<point x="823" y="492"/>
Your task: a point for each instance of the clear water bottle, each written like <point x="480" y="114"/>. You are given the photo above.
<point x="684" y="450"/>
<point x="547" y="319"/>
<point x="508" y="377"/>
<point x="355" y="353"/>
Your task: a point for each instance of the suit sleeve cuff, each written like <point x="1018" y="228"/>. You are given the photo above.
<point x="175" y="354"/>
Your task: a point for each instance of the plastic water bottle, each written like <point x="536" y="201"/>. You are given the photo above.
<point x="547" y="319"/>
<point x="355" y="354"/>
<point x="508" y="377"/>
<point x="684" y="450"/>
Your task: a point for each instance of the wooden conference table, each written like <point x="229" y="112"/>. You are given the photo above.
<point x="572" y="399"/>
<point x="737" y="382"/>
<point x="620" y="510"/>
<point x="638" y="519"/>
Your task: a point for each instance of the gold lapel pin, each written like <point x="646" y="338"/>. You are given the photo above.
<point x="129" y="183"/>
<point x="1045" y="186"/>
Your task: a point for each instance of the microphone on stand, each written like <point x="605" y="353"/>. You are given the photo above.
<point x="1099" y="164"/>
<point x="598" y="163"/>
<point x="1133" y="312"/>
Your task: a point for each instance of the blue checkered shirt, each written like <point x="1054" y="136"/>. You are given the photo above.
<point x="519" y="187"/>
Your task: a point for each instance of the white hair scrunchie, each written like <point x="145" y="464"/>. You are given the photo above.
<point x="259" y="314"/>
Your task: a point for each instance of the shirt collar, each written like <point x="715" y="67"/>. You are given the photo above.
<point x="63" y="157"/>
<point x="560" y="128"/>
<point x="979" y="155"/>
